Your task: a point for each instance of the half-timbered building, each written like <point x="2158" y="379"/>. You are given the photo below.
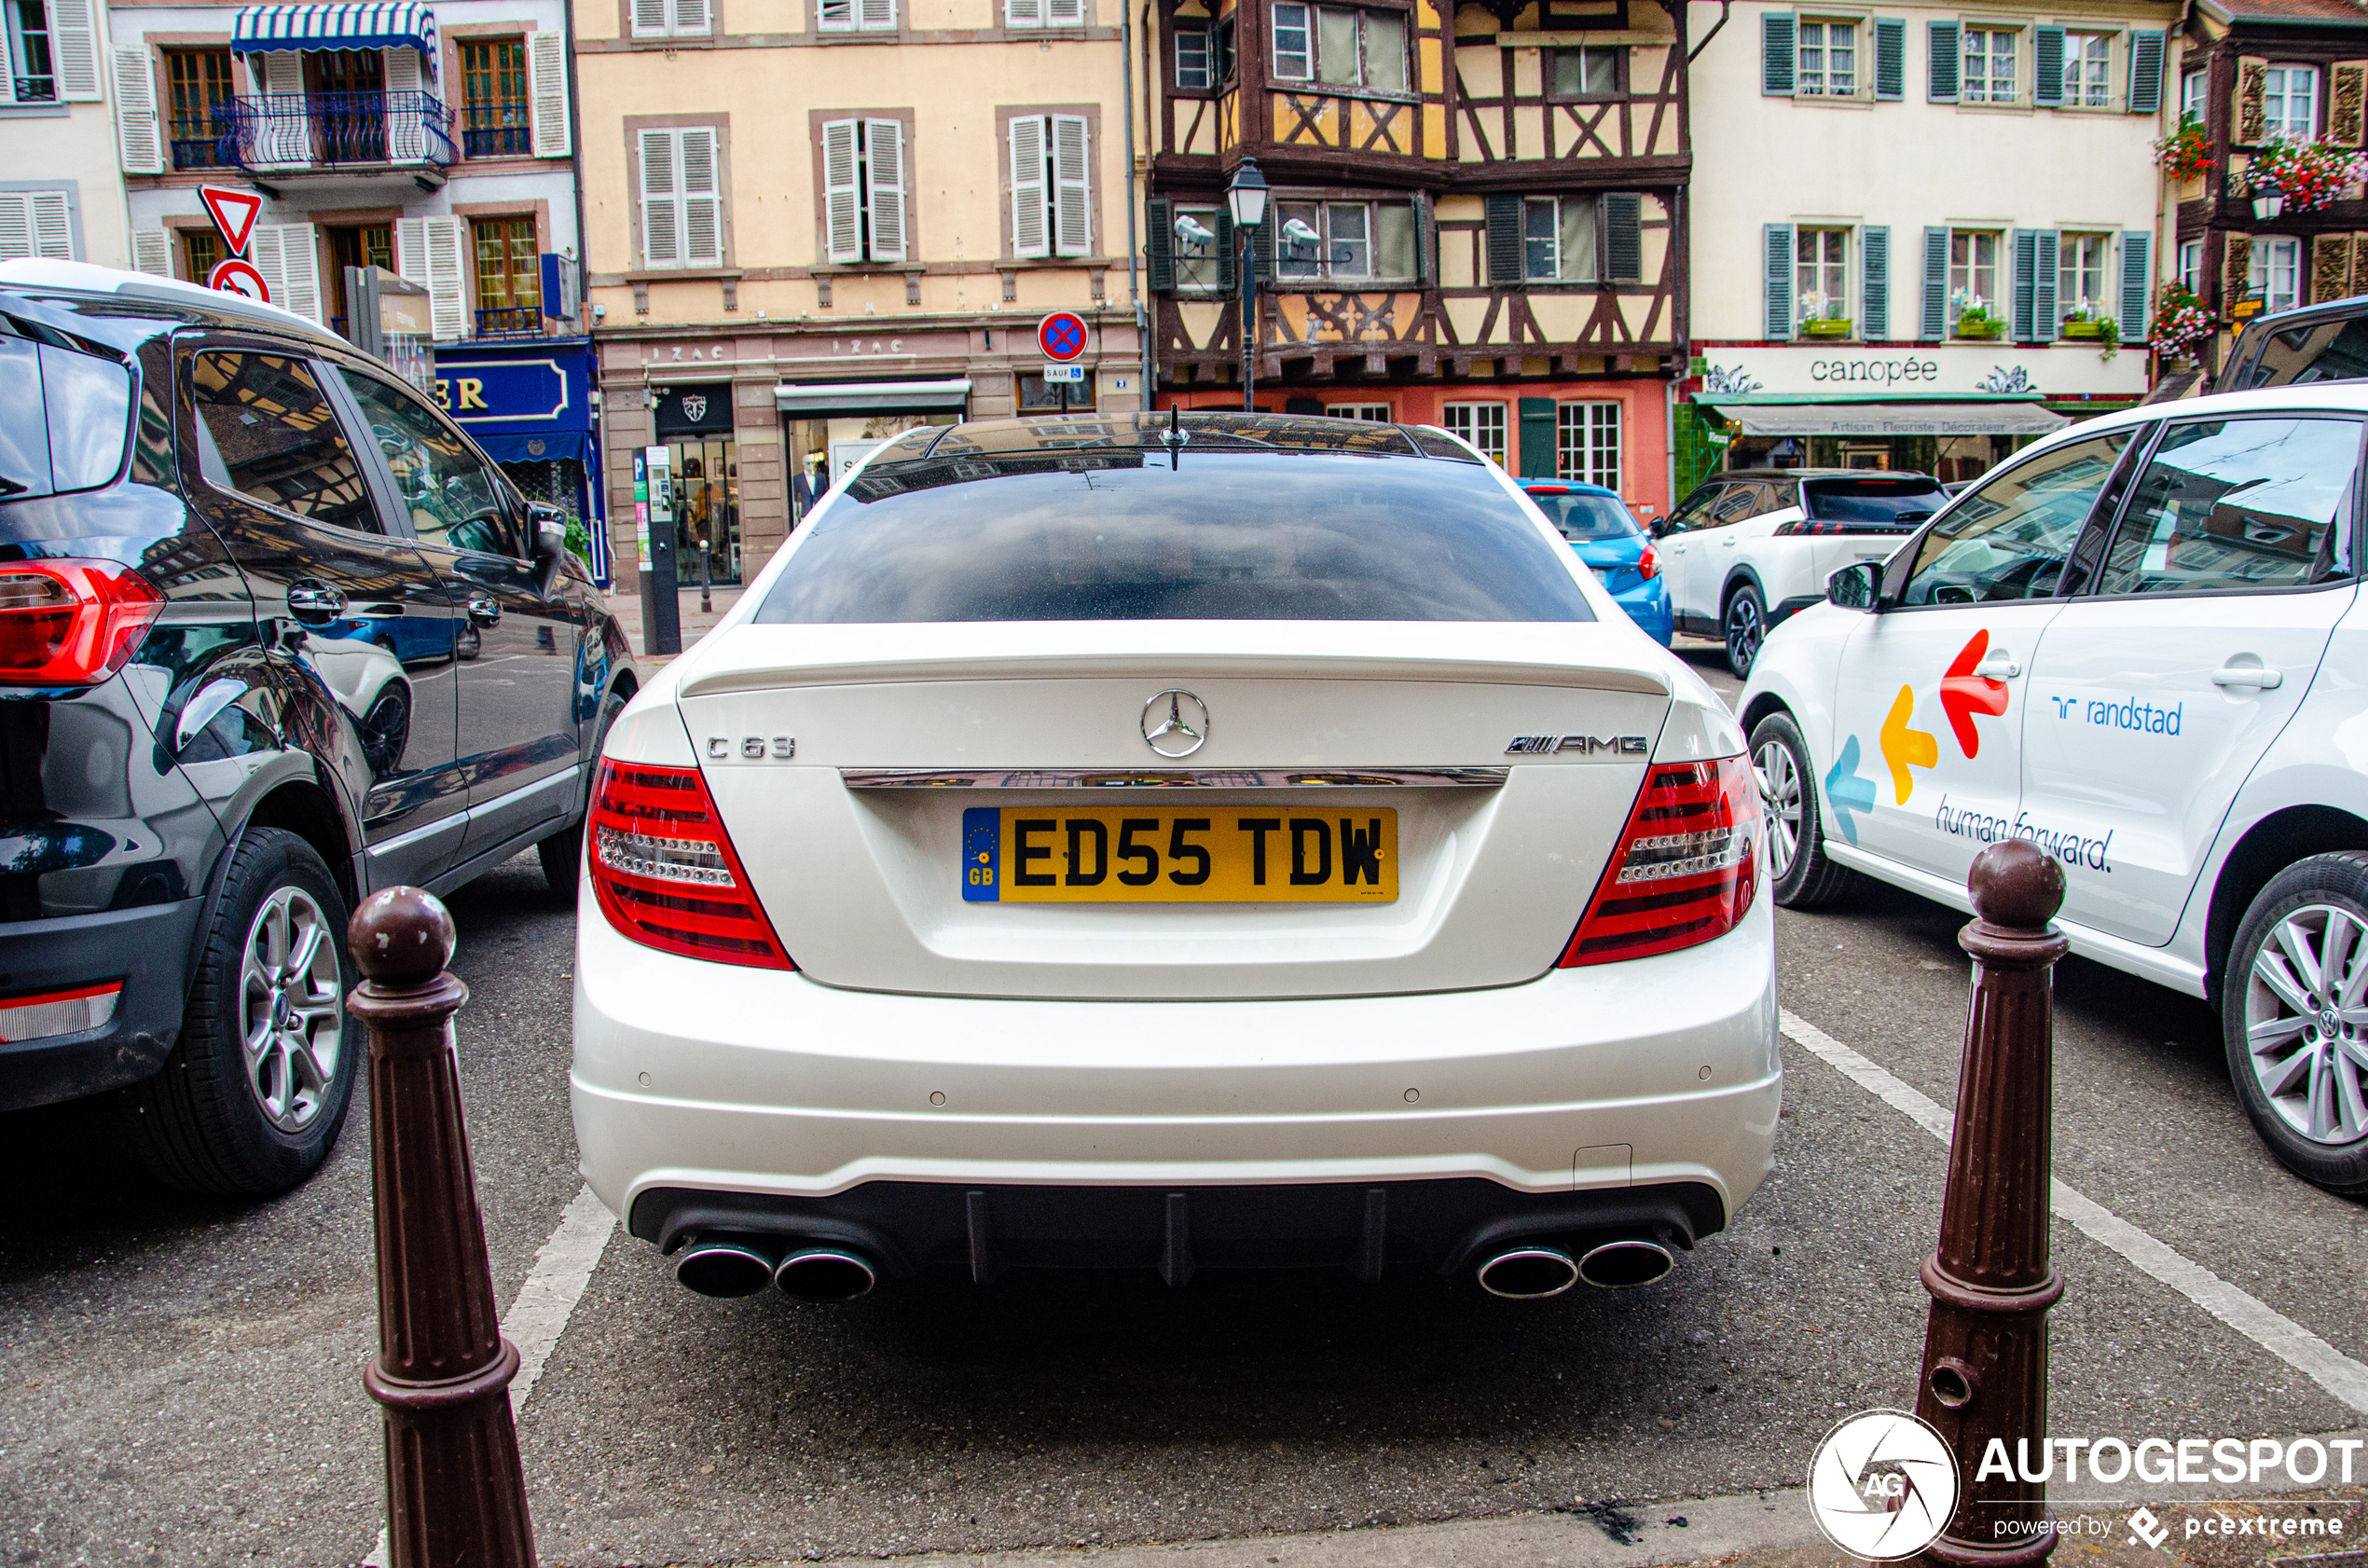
<point x="1477" y="219"/>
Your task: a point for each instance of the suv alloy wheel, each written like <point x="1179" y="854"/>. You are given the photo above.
<point x="1745" y="624"/>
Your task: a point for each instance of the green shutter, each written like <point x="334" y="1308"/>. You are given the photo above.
<point x="1776" y="53"/>
<point x="1228" y="276"/>
<point x="2023" y="317"/>
<point x="1262" y="246"/>
<point x="1623" y="238"/>
<point x="1538" y="458"/>
<point x="1935" y="322"/>
<point x="1874" y="281"/>
<point x="1426" y="239"/>
<point x="1942" y="41"/>
<point x="2047" y="66"/>
<point x="2047" y="311"/>
<point x="1160" y="250"/>
<point x="1890" y="58"/>
<point x="1777" y="241"/>
<point x="1504" y="240"/>
<point x="2137" y="283"/>
<point x="2146" y="49"/>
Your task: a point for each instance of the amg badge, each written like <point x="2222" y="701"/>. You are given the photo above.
<point x="1585" y="745"/>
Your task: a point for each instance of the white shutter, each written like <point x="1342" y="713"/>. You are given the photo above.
<point x="690" y="17"/>
<point x="649" y="18"/>
<point x="661" y="206"/>
<point x="74" y="44"/>
<point x="139" y="140"/>
<point x="546" y="92"/>
<point x="841" y="197"/>
<point x="702" y="200"/>
<point x="407" y="134"/>
<point x="288" y="254"/>
<point x="879" y="16"/>
<point x="411" y="250"/>
<point x="152" y="253"/>
<point x="286" y="134"/>
<point x="16" y="225"/>
<point x="836" y="16"/>
<point x="1065" y="13"/>
<point x="1023" y="13"/>
<point x="263" y="253"/>
<point x="1072" y="192"/>
<point x="884" y="186"/>
<point x="53" y="226"/>
<point x="1029" y="235"/>
<point x="445" y="241"/>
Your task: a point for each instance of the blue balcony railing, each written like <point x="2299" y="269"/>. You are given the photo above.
<point x="511" y="321"/>
<point x="496" y="130"/>
<point x="298" y="131"/>
<point x="196" y="142"/>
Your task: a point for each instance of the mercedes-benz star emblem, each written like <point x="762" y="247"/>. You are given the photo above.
<point x="1174" y="724"/>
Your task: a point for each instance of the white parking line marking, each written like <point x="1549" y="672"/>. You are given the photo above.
<point x="2341" y="1376"/>
<point x="539" y="1313"/>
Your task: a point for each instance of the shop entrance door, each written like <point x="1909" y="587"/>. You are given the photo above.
<point x="707" y="510"/>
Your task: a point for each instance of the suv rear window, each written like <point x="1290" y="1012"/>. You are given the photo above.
<point x="2323" y="350"/>
<point x="1586" y="519"/>
<point x="1117" y="535"/>
<point x="66" y="415"/>
<point x="1873" y="503"/>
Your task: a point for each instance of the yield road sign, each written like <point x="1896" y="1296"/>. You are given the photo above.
<point x="233" y="212"/>
<point x="234" y="276"/>
<point x="1061" y="336"/>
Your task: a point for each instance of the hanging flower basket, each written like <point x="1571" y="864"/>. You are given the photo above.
<point x="1831" y="326"/>
<point x="2180" y="323"/>
<point x="2304" y="176"/>
<point x="2186" y="154"/>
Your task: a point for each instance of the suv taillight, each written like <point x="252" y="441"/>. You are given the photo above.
<point x="1684" y="870"/>
<point x="71" y="623"/>
<point x="665" y="872"/>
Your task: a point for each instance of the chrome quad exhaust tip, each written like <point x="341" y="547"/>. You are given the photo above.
<point x="1528" y="1273"/>
<point x="1623" y="1264"/>
<point x="826" y="1274"/>
<point x="725" y="1266"/>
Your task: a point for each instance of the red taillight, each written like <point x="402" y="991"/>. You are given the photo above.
<point x="1648" y="565"/>
<point x="665" y="872"/>
<point x="69" y="622"/>
<point x="1684" y="870"/>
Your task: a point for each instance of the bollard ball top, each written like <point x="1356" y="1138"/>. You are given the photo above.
<point x="2017" y="885"/>
<point x="401" y="936"/>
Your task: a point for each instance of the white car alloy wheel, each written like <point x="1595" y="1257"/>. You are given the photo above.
<point x="2304" y="1022"/>
<point x="1779" y="792"/>
<point x="290" y="1008"/>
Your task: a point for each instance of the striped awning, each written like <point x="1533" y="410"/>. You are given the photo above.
<point x="391" y="24"/>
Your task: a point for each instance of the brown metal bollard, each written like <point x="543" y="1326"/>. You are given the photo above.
<point x="1985" y="1345"/>
<point x="455" y="1492"/>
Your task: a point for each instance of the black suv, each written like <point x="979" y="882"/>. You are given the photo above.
<point x="274" y="634"/>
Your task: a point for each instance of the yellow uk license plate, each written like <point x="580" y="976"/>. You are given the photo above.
<point x="1196" y="855"/>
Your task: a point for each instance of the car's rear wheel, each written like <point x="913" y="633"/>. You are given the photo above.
<point x="1745" y="624"/>
<point x="250" y="1100"/>
<point x="2295" y="1017"/>
<point x="1797" y="868"/>
<point x="562" y="853"/>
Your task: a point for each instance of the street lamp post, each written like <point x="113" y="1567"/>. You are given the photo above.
<point x="1246" y="199"/>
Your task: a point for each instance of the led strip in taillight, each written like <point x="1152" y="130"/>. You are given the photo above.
<point x="1683" y="871"/>
<point x="665" y="872"/>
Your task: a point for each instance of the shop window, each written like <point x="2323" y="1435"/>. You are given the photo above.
<point x="1052" y="186"/>
<point x="1039" y="395"/>
<point x="856" y="15"/>
<point x="1827" y="61"/>
<point x="1378" y="413"/>
<point x="2089" y="64"/>
<point x="1482" y="424"/>
<point x="494" y="120"/>
<point x="863" y="191"/>
<point x="509" y="270"/>
<point x="1973" y="271"/>
<point x="2081" y="261"/>
<point x="1343" y="240"/>
<point x="1990" y="65"/>
<point x="1340" y="47"/>
<point x="1558" y="239"/>
<point x="1588" y="73"/>
<point x="2190" y="266"/>
<point x="1587" y="443"/>
<point x="1195" y="62"/>
<point x="1821" y="273"/>
<point x="2290" y="103"/>
<point x="2277" y="272"/>
<point x="200" y="83"/>
<point x="1200" y="248"/>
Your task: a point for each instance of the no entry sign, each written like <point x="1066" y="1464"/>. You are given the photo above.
<point x="1061" y="336"/>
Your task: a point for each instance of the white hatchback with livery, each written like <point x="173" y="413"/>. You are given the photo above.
<point x="2139" y="645"/>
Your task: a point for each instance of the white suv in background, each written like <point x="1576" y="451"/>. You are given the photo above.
<point x="2139" y="645"/>
<point x="1748" y="549"/>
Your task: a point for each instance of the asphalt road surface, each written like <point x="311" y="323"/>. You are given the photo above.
<point x="180" y="1380"/>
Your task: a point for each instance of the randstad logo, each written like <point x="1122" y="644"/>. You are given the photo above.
<point x="1882" y="1486"/>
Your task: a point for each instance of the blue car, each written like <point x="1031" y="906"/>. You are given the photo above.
<point x="1596" y="523"/>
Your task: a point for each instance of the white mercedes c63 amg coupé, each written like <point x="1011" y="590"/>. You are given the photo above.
<point x="1141" y="842"/>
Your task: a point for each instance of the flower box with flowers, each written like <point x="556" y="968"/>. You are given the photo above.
<point x="2084" y="329"/>
<point x="2303" y="176"/>
<point x="1974" y="317"/>
<point x="1827" y="326"/>
<point x="1821" y="316"/>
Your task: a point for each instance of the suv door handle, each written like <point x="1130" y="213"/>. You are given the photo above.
<point x="1999" y="666"/>
<point x="484" y="610"/>
<point x="314" y="604"/>
<point x="2258" y="676"/>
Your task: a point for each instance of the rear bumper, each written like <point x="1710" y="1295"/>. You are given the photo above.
<point x="147" y="949"/>
<point x="705" y="1086"/>
<point x="1647" y="605"/>
<point x="1786" y="608"/>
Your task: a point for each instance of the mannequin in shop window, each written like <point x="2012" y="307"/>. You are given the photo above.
<point x="807" y="487"/>
<point x="698" y="508"/>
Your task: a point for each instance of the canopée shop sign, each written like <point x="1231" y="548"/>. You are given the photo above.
<point x="1924" y="370"/>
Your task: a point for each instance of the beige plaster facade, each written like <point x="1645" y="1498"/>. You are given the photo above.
<point x="821" y="327"/>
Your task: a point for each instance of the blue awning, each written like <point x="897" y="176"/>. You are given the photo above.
<point x="391" y="25"/>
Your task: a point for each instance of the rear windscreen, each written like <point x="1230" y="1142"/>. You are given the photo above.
<point x="1584" y="519"/>
<point x="64" y="417"/>
<point x="2335" y="350"/>
<point x="1900" y="504"/>
<point x="1130" y="536"/>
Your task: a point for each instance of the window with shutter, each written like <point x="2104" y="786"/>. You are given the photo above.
<point x="73" y="45"/>
<point x="1941" y="45"/>
<point x="288" y="256"/>
<point x="1032" y="228"/>
<point x="1820" y="274"/>
<point x="1933" y="316"/>
<point x="1159" y="244"/>
<point x="1623" y="238"/>
<point x="842" y="192"/>
<point x="1200" y="243"/>
<point x="447" y="248"/>
<point x="875" y="16"/>
<point x="36" y="223"/>
<point x="1503" y="233"/>
<point x="2350" y="80"/>
<point x="652" y="19"/>
<point x="1776" y="53"/>
<point x="884" y="188"/>
<point x="2046" y="311"/>
<point x="2047" y="66"/>
<point x="1777" y="281"/>
<point x="1874" y="281"/>
<point x="1890" y="58"/>
<point x="546" y="75"/>
<point x="2137" y="283"/>
<point x="2250" y="109"/>
<point x="690" y="18"/>
<point x="1023" y="13"/>
<point x="2026" y="250"/>
<point x="1826" y="59"/>
<point x="1073" y="213"/>
<point x="139" y="140"/>
<point x="2290" y="103"/>
<point x="1065" y="13"/>
<point x="152" y="251"/>
<point x="2147" y="48"/>
<point x="702" y="199"/>
<point x="661" y="201"/>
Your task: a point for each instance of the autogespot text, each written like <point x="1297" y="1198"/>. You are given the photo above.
<point x="2160" y="1461"/>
